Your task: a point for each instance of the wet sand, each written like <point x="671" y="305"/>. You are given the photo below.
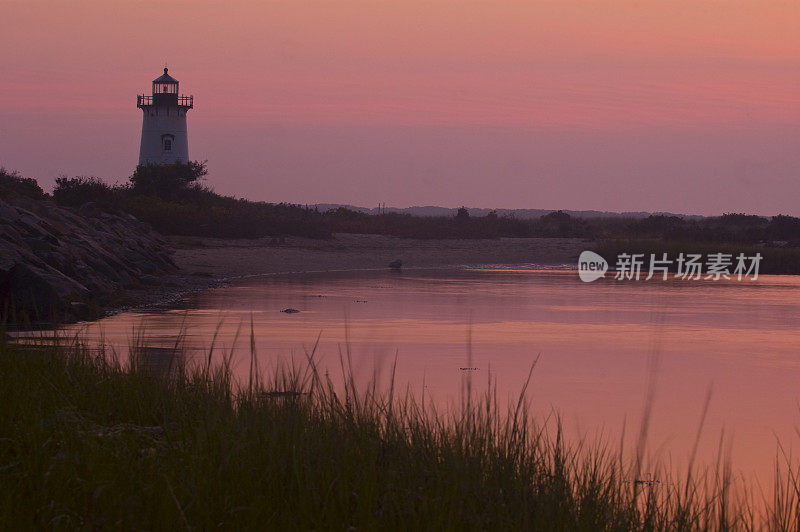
<point x="205" y="263"/>
<point x="229" y="259"/>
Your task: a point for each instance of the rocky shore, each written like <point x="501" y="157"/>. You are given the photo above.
<point x="61" y="264"/>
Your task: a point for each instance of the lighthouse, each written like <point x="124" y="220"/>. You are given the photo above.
<point x="164" y="139"/>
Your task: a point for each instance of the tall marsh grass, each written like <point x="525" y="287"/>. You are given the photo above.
<point x="87" y="441"/>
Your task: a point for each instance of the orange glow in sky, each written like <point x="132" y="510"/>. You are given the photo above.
<point x="673" y="105"/>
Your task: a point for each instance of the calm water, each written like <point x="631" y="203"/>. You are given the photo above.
<point x="596" y="343"/>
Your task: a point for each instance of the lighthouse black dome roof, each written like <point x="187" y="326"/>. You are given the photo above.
<point x="166" y="78"/>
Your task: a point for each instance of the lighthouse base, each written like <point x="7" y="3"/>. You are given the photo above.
<point x="164" y="137"/>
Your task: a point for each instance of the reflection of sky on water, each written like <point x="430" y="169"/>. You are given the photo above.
<point x="594" y="341"/>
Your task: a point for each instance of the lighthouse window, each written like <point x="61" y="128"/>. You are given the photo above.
<point x="167" y="144"/>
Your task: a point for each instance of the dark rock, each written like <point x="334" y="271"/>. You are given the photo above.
<point x="56" y="263"/>
<point x="148" y="279"/>
<point x="40" y="243"/>
<point x="8" y="213"/>
<point x="39" y="292"/>
<point x="88" y="209"/>
<point x="80" y="310"/>
<point x="9" y="256"/>
<point x="9" y="234"/>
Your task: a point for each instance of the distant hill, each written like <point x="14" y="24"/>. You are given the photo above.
<point x="431" y="210"/>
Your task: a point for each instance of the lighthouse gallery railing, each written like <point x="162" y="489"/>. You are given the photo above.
<point x="183" y="101"/>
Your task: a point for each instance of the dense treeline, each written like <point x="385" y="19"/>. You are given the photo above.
<point x="556" y="224"/>
<point x="733" y="228"/>
<point x="730" y="228"/>
<point x="174" y="201"/>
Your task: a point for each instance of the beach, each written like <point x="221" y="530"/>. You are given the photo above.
<point x="222" y="259"/>
<point x="204" y="263"/>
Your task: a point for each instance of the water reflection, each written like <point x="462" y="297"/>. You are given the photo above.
<point x="594" y="340"/>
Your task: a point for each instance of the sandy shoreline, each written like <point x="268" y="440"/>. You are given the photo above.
<point x="209" y="262"/>
<point x="225" y="259"/>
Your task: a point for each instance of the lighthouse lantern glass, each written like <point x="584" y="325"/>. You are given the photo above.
<point x="165" y="88"/>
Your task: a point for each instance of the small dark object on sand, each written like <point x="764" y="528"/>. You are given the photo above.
<point x="290" y="310"/>
<point x="396" y="264"/>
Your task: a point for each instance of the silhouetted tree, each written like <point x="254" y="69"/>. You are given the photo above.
<point x="557" y="217"/>
<point x="167" y="180"/>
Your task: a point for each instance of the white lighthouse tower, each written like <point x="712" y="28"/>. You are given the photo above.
<point x="164" y="139"/>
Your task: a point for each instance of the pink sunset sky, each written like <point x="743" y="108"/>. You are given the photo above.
<point x="673" y="105"/>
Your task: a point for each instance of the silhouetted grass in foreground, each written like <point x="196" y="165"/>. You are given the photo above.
<point x="155" y="443"/>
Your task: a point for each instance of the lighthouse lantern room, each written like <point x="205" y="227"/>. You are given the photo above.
<point x="164" y="137"/>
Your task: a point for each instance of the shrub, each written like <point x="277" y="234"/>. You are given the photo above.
<point x="75" y="191"/>
<point x="167" y="180"/>
<point x="13" y="184"/>
<point x="783" y="227"/>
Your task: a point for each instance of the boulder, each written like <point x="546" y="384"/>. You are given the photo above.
<point x="39" y="291"/>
